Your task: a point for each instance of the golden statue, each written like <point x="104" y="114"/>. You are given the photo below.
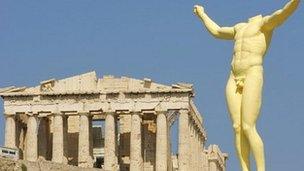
<point x="244" y="87"/>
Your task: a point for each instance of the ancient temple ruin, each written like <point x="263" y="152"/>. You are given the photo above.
<point x="58" y="121"/>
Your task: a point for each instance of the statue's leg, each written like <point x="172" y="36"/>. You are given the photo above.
<point x="251" y="103"/>
<point x="233" y="98"/>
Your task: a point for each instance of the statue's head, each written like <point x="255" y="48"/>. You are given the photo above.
<point x="255" y="18"/>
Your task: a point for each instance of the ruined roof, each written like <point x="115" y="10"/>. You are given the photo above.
<point x="89" y="83"/>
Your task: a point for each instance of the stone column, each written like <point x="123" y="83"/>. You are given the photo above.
<point x="58" y="139"/>
<point x="161" y="142"/>
<point x="191" y="155"/>
<point x="183" y="141"/>
<point x="124" y="141"/>
<point x="110" y="158"/>
<point x="196" y="150"/>
<point x="136" y="160"/>
<point x="205" y="160"/>
<point x="213" y="165"/>
<point x="191" y="146"/>
<point x="84" y="157"/>
<point x="32" y="138"/>
<point x="200" y="153"/>
<point x="10" y="131"/>
<point x="169" y="157"/>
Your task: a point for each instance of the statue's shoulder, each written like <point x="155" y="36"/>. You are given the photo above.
<point x="239" y="26"/>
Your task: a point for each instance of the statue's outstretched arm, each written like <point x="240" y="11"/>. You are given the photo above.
<point x="217" y="31"/>
<point x="278" y="17"/>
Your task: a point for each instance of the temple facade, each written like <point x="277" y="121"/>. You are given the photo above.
<point x="110" y="123"/>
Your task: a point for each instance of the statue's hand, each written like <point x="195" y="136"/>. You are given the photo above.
<point x="198" y="10"/>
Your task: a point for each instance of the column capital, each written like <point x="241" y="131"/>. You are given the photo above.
<point x="9" y="115"/>
<point x="137" y="113"/>
<point x="57" y="114"/>
<point x="31" y="114"/>
<point x="87" y="113"/>
<point x="110" y="113"/>
<point x="184" y="111"/>
<point x="161" y="112"/>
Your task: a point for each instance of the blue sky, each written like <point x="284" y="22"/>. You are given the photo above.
<point x="164" y="41"/>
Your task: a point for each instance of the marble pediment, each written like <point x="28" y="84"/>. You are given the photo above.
<point x="90" y="83"/>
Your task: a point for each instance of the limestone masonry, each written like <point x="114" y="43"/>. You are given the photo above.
<point x="110" y="123"/>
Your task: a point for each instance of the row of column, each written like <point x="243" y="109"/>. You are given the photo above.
<point x="136" y="159"/>
<point x="196" y="161"/>
<point x="59" y="143"/>
<point x="189" y="145"/>
<point x="31" y="136"/>
<point x="189" y="141"/>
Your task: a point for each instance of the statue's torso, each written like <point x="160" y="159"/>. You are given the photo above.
<point x="251" y="44"/>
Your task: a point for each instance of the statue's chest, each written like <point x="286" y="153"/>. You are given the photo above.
<point x="248" y="30"/>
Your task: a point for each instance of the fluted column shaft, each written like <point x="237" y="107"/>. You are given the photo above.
<point x="136" y="163"/>
<point x="58" y="139"/>
<point x="10" y="131"/>
<point x="192" y="147"/>
<point x="84" y="157"/>
<point x="161" y="142"/>
<point x="32" y="139"/>
<point x="200" y="153"/>
<point x="213" y="166"/>
<point x="183" y="141"/>
<point x="110" y="159"/>
<point x="169" y="157"/>
<point x="196" y="149"/>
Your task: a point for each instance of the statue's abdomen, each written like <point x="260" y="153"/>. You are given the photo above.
<point x="249" y="50"/>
